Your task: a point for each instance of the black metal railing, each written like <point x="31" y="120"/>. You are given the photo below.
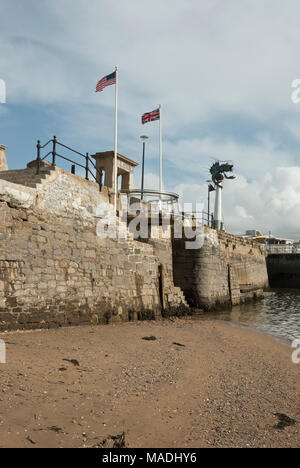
<point x="207" y="218"/>
<point x="202" y="216"/>
<point x="55" y="154"/>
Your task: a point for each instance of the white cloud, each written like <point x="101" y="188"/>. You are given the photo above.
<point x="250" y="159"/>
<point x="272" y="206"/>
<point x="242" y="213"/>
<point x="204" y="61"/>
<point x="199" y="58"/>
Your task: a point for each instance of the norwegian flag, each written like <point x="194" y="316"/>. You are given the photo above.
<point x="151" y="116"/>
<point x="106" y="81"/>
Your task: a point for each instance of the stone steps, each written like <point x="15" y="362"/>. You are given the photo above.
<point x="27" y="177"/>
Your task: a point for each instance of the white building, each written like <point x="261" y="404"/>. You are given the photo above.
<point x="274" y="244"/>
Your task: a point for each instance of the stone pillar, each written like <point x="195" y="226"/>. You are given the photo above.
<point x="3" y="160"/>
<point x="218" y="224"/>
<point x="105" y="162"/>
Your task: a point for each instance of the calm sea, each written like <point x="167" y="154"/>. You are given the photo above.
<point x="277" y="314"/>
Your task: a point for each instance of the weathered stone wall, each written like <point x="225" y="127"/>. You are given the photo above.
<point x="55" y="270"/>
<point x="227" y="270"/>
<point x="17" y="194"/>
<point x="56" y="190"/>
<point x="3" y="160"/>
<point x="63" y="192"/>
<point x="284" y="270"/>
<point x="184" y="270"/>
<point x="159" y="237"/>
<point x="170" y="296"/>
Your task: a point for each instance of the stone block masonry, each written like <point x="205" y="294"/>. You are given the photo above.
<point x="56" y="271"/>
<point x="227" y="270"/>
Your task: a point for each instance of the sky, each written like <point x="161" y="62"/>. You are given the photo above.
<point x="222" y="70"/>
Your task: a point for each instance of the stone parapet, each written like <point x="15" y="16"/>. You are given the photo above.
<point x="3" y="159"/>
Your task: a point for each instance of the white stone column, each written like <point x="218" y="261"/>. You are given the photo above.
<point x="3" y="160"/>
<point x="218" y="209"/>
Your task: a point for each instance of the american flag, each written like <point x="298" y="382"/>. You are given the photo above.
<point x="106" y="81"/>
<point x="151" y="116"/>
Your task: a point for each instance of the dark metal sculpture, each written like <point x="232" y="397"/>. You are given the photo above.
<point x="218" y="172"/>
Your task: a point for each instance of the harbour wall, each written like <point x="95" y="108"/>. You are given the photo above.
<point x="55" y="270"/>
<point x="227" y="270"/>
<point x="284" y="270"/>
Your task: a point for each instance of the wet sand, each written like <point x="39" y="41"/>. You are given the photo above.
<point x="218" y="386"/>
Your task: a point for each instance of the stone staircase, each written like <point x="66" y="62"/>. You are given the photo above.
<point x="28" y="176"/>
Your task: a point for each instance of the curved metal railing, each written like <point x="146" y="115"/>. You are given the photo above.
<point x="166" y="201"/>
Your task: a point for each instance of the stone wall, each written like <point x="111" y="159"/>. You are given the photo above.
<point x="284" y="270"/>
<point x="170" y="296"/>
<point x="56" y="190"/>
<point x="55" y="270"/>
<point x="63" y="192"/>
<point x="3" y="161"/>
<point x="184" y="270"/>
<point x="226" y="271"/>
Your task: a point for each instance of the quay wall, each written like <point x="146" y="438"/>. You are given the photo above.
<point x="227" y="270"/>
<point x="284" y="270"/>
<point x="55" y="270"/>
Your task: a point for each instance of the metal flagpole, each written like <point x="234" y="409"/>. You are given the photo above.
<point x="116" y="142"/>
<point x="160" y="152"/>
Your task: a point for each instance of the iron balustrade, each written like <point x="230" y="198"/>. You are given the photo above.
<point x="55" y="154"/>
<point x="165" y="201"/>
<point x="162" y="201"/>
<point x="203" y="216"/>
<point x="207" y="218"/>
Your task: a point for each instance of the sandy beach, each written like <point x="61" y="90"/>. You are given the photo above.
<point x="189" y="384"/>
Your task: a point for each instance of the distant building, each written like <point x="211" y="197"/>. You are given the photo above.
<point x="296" y="247"/>
<point x="273" y="244"/>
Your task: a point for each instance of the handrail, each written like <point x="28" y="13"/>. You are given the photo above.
<point x="171" y="195"/>
<point x="71" y="149"/>
<point x="206" y="218"/>
<point x="50" y="152"/>
<point x="163" y="201"/>
<point x="170" y="198"/>
<point x="44" y="146"/>
<point x="55" y="154"/>
<point x="70" y="160"/>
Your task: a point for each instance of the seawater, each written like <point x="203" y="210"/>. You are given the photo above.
<point x="278" y="314"/>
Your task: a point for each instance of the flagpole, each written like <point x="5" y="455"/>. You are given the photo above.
<point x="160" y="152"/>
<point x="116" y="142"/>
